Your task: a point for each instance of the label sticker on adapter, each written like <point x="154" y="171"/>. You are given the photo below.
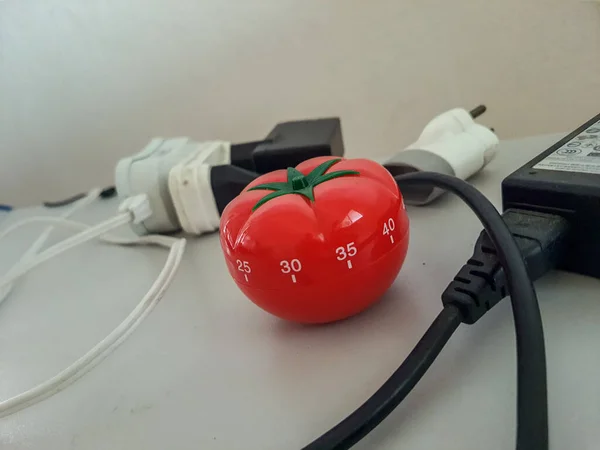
<point x="580" y="154"/>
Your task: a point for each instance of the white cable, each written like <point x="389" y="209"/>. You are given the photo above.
<point x="101" y="350"/>
<point x="156" y="239"/>
<point x="106" y="346"/>
<point x="41" y="240"/>
<point x="85" y="236"/>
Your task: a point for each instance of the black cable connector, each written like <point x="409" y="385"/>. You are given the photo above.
<point x="482" y="283"/>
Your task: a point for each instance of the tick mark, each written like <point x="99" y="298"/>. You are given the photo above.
<point x="294" y="278"/>
<point x="349" y="264"/>
<point x="246" y="276"/>
<point x="392" y="239"/>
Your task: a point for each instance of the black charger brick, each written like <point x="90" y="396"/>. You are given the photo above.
<point x="572" y="192"/>
<point x="290" y="143"/>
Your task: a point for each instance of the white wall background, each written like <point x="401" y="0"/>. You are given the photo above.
<point x="83" y="83"/>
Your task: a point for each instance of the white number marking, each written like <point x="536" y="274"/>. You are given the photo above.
<point x="344" y="252"/>
<point x="388" y="226"/>
<point x="296" y="266"/>
<point x="292" y="266"/>
<point x="243" y="266"/>
<point x="348" y="251"/>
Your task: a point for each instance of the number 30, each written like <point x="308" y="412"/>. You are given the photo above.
<point x="293" y="265"/>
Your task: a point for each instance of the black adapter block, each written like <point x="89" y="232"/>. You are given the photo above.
<point x="565" y="180"/>
<point x="290" y="143"/>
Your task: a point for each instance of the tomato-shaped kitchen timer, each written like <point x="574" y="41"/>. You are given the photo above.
<point x="319" y="242"/>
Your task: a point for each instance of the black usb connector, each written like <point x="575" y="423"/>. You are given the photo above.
<point x="481" y="283"/>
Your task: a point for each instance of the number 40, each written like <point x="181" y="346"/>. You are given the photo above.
<point x="389" y="226"/>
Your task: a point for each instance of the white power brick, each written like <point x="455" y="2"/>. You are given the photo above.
<point x="148" y="172"/>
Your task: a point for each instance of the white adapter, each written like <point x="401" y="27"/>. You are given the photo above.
<point x="174" y="174"/>
<point x="452" y="143"/>
<point x="191" y="190"/>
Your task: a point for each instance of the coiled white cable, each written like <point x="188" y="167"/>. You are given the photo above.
<point x="101" y="350"/>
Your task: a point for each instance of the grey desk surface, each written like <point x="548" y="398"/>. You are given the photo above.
<point x="208" y="370"/>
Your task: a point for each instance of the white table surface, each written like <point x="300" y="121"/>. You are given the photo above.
<point x="209" y="370"/>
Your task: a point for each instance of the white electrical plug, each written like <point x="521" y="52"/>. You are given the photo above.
<point x="191" y="190"/>
<point x="453" y="122"/>
<point x="138" y="206"/>
<point x="452" y="143"/>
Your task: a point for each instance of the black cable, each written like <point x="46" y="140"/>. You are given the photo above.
<point x="532" y="395"/>
<point x="358" y="424"/>
<point x="64" y="202"/>
<point x="108" y="192"/>
<point x="532" y="407"/>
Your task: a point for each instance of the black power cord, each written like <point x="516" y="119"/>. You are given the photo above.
<point x="108" y="192"/>
<point x="358" y="424"/>
<point x="463" y="305"/>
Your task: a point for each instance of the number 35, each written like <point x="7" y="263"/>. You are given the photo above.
<point x="344" y="252"/>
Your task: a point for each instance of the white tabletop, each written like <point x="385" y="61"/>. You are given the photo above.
<point x="209" y="370"/>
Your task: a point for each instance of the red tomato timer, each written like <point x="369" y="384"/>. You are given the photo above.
<point x="319" y="242"/>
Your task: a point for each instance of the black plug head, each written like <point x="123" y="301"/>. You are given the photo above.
<point x="227" y="182"/>
<point x="290" y="143"/>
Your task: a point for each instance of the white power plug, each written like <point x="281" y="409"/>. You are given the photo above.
<point x="453" y="122"/>
<point x="452" y="143"/>
<point x="191" y="190"/>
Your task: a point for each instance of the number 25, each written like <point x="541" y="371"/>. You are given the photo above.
<point x="243" y="266"/>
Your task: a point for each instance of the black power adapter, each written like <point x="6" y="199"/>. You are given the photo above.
<point x="565" y="181"/>
<point x="552" y="208"/>
<point x="290" y="143"/>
